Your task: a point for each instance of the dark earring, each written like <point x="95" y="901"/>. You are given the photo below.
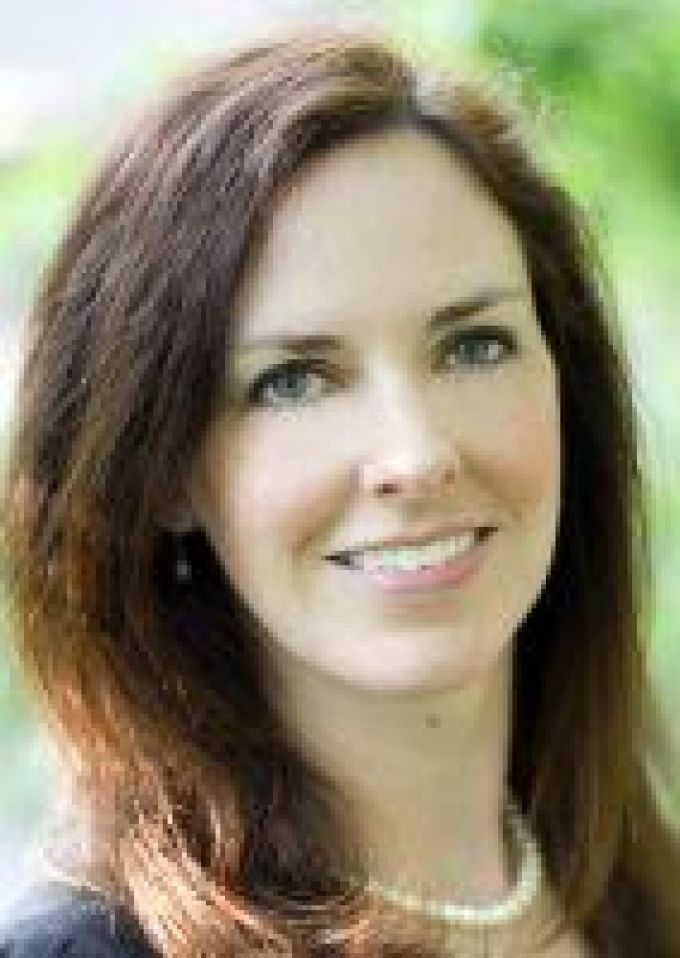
<point x="182" y="564"/>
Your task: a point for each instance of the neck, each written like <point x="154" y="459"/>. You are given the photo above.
<point x="424" y="774"/>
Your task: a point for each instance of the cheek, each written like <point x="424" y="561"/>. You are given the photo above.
<point x="271" y="483"/>
<point x="532" y="454"/>
<point x="525" y="459"/>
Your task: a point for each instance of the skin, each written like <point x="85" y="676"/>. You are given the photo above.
<point x="403" y="699"/>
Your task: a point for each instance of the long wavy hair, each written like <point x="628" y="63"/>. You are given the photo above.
<point x="204" y="820"/>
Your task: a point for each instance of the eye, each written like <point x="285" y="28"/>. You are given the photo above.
<point x="288" y="383"/>
<point x="485" y="346"/>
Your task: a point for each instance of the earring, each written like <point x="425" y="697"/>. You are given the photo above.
<point x="182" y="564"/>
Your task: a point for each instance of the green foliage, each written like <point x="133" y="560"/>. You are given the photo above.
<point x="614" y="64"/>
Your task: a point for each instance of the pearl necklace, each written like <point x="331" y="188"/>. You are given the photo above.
<point x="527" y="885"/>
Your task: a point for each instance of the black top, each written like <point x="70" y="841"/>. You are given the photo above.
<point x="56" y="920"/>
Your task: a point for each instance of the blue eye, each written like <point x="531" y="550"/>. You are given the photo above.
<point x="286" y="383"/>
<point x="479" y="346"/>
<point x="297" y="382"/>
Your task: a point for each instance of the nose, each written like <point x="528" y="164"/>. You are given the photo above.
<point x="393" y="479"/>
<point x="410" y="456"/>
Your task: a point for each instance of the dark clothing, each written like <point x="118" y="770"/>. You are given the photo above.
<point x="56" y="920"/>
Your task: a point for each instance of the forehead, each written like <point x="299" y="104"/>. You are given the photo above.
<point x="389" y="224"/>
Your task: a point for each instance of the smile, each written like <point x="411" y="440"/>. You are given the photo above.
<point x="443" y="562"/>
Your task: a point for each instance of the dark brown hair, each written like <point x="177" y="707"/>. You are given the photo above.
<point x="205" y="821"/>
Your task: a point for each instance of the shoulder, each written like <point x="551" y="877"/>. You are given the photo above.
<point x="55" y="920"/>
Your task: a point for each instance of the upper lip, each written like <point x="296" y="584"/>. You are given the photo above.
<point x="415" y="538"/>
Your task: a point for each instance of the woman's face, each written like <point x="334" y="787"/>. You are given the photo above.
<point x="388" y="378"/>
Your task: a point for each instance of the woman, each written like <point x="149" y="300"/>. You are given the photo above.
<point x="326" y="529"/>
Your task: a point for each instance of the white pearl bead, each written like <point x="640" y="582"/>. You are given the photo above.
<point x="496" y="913"/>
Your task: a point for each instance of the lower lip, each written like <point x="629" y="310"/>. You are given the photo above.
<point x="454" y="572"/>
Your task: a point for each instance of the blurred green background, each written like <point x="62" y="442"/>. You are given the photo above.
<point x="603" y="78"/>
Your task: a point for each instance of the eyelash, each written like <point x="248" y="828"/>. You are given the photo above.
<point x="486" y="334"/>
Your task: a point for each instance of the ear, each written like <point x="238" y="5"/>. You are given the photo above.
<point x="181" y="510"/>
<point x="179" y="516"/>
<point x="179" y="521"/>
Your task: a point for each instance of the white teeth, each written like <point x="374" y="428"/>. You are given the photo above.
<point x="415" y="557"/>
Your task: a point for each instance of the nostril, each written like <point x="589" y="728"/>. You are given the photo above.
<point x="340" y="559"/>
<point x="386" y="487"/>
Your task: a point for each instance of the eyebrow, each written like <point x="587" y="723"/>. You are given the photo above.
<point x="442" y="318"/>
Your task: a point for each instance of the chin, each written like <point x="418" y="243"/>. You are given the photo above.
<point x="436" y="678"/>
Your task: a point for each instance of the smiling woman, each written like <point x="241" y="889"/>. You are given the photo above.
<point x="325" y="521"/>
<point x="420" y="430"/>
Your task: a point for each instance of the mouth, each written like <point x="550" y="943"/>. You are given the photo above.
<point x="443" y="562"/>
